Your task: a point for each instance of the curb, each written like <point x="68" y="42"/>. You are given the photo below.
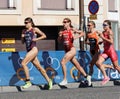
<point x="4" y="89"/>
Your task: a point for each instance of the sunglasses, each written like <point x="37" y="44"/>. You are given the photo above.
<point x="89" y="25"/>
<point x="26" y="22"/>
<point x="65" y="21"/>
<point x="105" y="25"/>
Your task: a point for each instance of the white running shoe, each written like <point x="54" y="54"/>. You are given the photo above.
<point x="89" y="80"/>
<point x="64" y="82"/>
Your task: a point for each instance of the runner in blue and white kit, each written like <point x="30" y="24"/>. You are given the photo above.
<point x="29" y="37"/>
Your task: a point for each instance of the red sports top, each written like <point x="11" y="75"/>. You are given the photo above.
<point x="107" y="45"/>
<point x="67" y="37"/>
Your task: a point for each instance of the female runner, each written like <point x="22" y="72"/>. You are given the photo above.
<point x="92" y="39"/>
<point x="109" y="50"/>
<point x="67" y="37"/>
<point x="29" y="38"/>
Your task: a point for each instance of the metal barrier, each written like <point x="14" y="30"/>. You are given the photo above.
<point x="12" y="73"/>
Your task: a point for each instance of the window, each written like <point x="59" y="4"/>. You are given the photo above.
<point x="7" y="4"/>
<point x="56" y="6"/>
<point x="53" y="4"/>
<point x="112" y="5"/>
<point x="10" y="6"/>
<point x="116" y="33"/>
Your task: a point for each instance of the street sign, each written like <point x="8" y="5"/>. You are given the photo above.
<point x="93" y="7"/>
<point x="8" y="50"/>
<point x="8" y="40"/>
<point x="93" y="17"/>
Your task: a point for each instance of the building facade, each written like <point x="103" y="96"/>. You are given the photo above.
<point x="110" y="10"/>
<point x="48" y="16"/>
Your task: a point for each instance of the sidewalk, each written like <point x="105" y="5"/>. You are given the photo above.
<point x="5" y="89"/>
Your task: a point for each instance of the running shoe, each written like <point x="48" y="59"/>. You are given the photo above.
<point x="105" y="80"/>
<point x="50" y="84"/>
<point x="27" y="85"/>
<point x="64" y="82"/>
<point x="89" y="80"/>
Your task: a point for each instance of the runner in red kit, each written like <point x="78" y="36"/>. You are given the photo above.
<point x="67" y="39"/>
<point x="109" y="51"/>
<point x="66" y="35"/>
<point x="92" y="39"/>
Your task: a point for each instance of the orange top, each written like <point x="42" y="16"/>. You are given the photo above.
<point x="93" y="35"/>
<point x="93" y="39"/>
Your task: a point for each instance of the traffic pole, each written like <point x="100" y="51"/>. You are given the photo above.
<point x="81" y="16"/>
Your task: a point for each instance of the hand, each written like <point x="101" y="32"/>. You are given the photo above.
<point x="87" y="43"/>
<point x="101" y="36"/>
<point x="35" y="39"/>
<point x="60" y="34"/>
<point x="23" y="35"/>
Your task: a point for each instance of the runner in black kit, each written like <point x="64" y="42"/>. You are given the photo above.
<point x="29" y="38"/>
<point x="92" y="39"/>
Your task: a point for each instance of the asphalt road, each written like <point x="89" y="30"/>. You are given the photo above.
<point x="96" y="92"/>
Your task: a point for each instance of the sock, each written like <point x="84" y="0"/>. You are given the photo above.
<point x="86" y="76"/>
<point x="27" y="80"/>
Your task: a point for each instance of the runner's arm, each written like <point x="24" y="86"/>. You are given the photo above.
<point x="39" y="32"/>
<point x="110" y="40"/>
<point x="59" y="36"/>
<point x="81" y="33"/>
<point x="86" y="41"/>
<point x="99" y="34"/>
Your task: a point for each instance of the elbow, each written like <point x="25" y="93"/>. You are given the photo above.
<point x="83" y="34"/>
<point x="45" y="36"/>
<point x="112" y="42"/>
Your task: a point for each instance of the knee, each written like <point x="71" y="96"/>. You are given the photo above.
<point x="98" y="64"/>
<point x="23" y="64"/>
<point x="62" y="63"/>
<point x="116" y="67"/>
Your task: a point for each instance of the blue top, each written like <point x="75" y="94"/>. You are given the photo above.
<point x="29" y="35"/>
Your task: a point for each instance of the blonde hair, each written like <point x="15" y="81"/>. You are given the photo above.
<point x="93" y="23"/>
<point x="68" y="19"/>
